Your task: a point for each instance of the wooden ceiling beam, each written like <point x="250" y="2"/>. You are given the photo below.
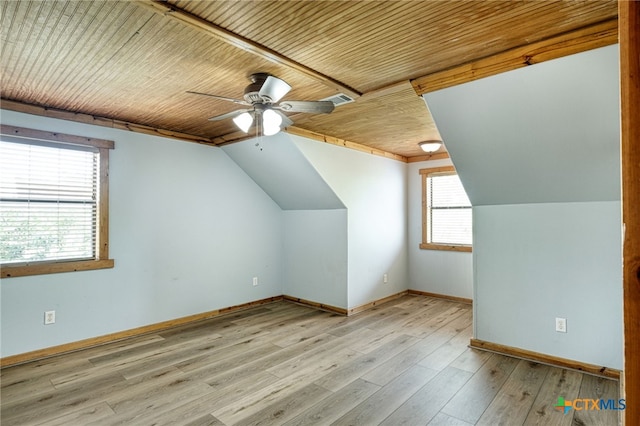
<point x="587" y="38"/>
<point x="243" y="43"/>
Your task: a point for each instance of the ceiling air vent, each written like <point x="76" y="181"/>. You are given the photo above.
<point x="339" y="99"/>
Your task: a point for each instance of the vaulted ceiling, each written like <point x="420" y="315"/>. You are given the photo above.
<point x="130" y="64"/>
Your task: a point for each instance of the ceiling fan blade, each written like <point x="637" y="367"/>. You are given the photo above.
<point x="324" y="107"/>
<point x="231" y="114"/>
<point x="286" y="121"/>
<point x="222" y="98"/>
<point x="274" y="89"/>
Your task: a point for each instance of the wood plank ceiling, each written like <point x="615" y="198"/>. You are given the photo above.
<point x="133" y="62"/>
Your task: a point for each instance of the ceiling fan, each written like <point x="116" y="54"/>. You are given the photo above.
<point x="262" y="96"/>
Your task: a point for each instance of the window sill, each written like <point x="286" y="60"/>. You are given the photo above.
<point x="425" y="246"/>
<point x="54" y="268"/>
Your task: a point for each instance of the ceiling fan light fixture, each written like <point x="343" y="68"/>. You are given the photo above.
<point x="430" y="146"/>
<point x="271" y="122"/>
<point x="262" y="96"/>
<point x="244" y="121"/>
<point x="273" y="89"/>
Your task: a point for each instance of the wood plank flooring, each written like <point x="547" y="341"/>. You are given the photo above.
<point x="405" y="362"/>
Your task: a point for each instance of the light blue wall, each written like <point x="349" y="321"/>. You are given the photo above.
<point x="374" y="190"/>
<point x="314" y="218"/>
<point x="433" y="271"/>
<point x="537" y="150"/>
<point x="188" y="231"/>
<point x="541" y="134"/>
<point x="536" y="262"/>
<point x="189" y="228"/>
<point x="315" y="256"/>
<point x="345" y="217"/>
<point x="277" y="165"/>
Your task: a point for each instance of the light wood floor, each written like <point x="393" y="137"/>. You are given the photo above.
<point x="404" y="362"/>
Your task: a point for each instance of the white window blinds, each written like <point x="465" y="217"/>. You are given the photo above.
<point x="48" y="201"/>
<point x="449" y="210"/>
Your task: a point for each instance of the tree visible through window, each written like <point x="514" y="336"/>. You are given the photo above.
<point x="446" y="212"/>
<point x="53" y="202"/>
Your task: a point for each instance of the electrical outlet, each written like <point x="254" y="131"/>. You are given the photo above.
<point x="561" y="325"/>
<point x="49" y="317"/>
<point x="385" y="278"/>
<point x="255" y="281"/>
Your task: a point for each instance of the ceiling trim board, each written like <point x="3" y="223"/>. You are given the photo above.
<point x="243" y="43"/>
<point x="341" y="142"/>
<point x="429" y="157"/>
<point x="233" y="137"/>
<point x="101" y="121"/>
<point x="586" y="38"/>
<point x="218" y="141"/>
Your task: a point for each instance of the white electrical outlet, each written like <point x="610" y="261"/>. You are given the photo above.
<point x="49" y="317"/>
<point x="561" y="325"/>
<point x="255" y="281"/>
<point x="385" y="278"/>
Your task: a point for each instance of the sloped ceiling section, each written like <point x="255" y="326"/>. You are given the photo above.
<point x="545" y="133"/>
<point x="284" y="173"/>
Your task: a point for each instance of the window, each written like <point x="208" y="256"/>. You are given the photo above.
<point x="53" y="202"/>
<point x="446" y="211"/>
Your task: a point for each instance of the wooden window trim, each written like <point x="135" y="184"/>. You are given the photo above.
<point x="424" y="245"/>
<point x="102" y="260"/>
<point x="429" y="246"/>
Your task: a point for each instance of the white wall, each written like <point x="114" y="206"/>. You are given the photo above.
<point x="188" y="231"/>
<point x="434" y="271"/>
<point x="315" y="256"/>
<point x="374" y="191"/>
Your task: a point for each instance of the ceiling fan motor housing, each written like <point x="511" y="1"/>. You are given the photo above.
<point x="252" y="91"/>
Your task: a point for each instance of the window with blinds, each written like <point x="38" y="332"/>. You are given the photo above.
<point x="54" y="202"/>
<point x="48" y="201"/>
<point x="447" y="217"/>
